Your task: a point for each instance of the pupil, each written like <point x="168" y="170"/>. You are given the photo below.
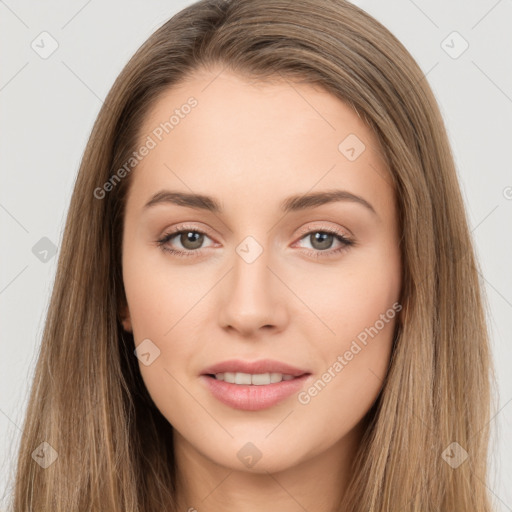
<point x="191" y="240"/>
<point x="321" y="238"/>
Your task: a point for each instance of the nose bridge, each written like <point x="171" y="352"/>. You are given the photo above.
<point x="251" y="298"/>
<point x="250" y="276"/>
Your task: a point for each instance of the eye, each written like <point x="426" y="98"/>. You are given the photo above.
<point x="191" y="240"/>
<point x="322" y="240"/>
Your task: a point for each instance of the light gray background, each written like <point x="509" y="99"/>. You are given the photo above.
<point x="49" y="106"/>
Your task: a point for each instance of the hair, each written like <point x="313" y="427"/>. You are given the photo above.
<point x="88" y="400"/>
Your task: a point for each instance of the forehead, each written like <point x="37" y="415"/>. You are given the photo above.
<point x="228" y="136"/>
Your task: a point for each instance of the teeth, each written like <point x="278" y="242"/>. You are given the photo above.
<point x="242" y="378"/>
<point x="258" y="379"/>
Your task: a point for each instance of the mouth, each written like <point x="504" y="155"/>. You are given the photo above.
<point x="255" y="379"/>
<point x="252" y="386"/>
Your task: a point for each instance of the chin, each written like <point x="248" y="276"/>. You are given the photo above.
<point x="255" y="455"/>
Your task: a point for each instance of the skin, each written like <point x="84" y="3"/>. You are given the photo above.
<point x="251" y="145"/>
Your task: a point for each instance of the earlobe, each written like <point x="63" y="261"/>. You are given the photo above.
<point x="127" y="325"/>
<point x="126" y="319"/>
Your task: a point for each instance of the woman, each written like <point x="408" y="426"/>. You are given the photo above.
<point x="197" y="355"/>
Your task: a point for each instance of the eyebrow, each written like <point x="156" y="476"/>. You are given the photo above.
<point x="290" y="204"/>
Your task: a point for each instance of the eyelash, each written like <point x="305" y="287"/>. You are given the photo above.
<point x="345" y="241"/>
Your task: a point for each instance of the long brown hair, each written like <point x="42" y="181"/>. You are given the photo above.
<point x="88" y="401"/>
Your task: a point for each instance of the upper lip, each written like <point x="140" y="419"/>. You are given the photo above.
<point x="254" y="367"/>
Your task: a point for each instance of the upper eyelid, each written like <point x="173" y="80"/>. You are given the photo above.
<point x="333" y="230"/>
<point x="180" y="228"/>
<point x="337" y="232"/>
<point x="305" y="230"/>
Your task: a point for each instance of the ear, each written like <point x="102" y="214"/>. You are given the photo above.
<point x="126" y="318"/>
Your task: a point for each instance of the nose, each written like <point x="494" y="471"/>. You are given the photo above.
<point x="253" y="298"/>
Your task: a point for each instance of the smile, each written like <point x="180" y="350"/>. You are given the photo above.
<point x="255" y="379"/>
<point x="260" y="394"/>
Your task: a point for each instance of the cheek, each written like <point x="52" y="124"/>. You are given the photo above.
<point x="352" y="297"/>
<point x="162" y="301"/>
<point x="158" y="310"/>
<point x="355" y="366"/>
<point x="362" y="308"/>
<point x="157" y="295"/>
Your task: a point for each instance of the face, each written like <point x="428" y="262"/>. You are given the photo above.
<point x="307" y="287"/>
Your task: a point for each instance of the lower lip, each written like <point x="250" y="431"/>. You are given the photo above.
<point x="249" y="397"/>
